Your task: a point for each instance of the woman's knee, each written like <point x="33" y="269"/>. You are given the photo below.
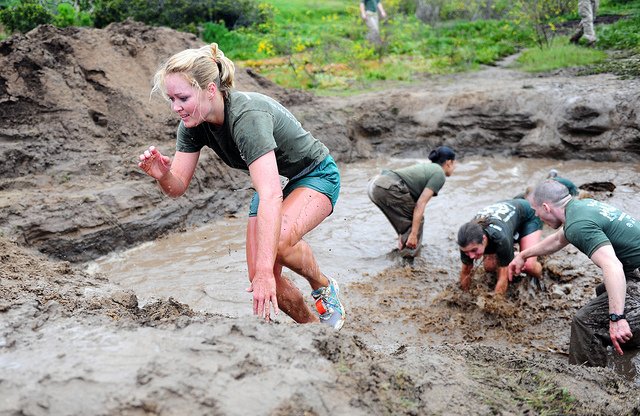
<point x="532" y="266"/>
<point x="490" y="263"/>
<point x="284" y="247"/>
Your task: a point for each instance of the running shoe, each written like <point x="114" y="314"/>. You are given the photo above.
<point x="328" y="305"/>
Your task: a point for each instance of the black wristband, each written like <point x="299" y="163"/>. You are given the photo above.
<point x="613" y="317"/>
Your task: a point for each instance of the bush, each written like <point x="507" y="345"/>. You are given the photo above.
<point x="540" y="14"/>
<point x="25" y="16"/>
<point x="236" y="44"/>
<point x="431" y="11"/>
<point x="69" y="16"/>
<point x="180" y="14"/>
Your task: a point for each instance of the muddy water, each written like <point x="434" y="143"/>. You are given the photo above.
<point x="205" y="267"/>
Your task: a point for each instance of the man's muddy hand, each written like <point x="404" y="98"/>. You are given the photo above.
<point x="516" y="266"/>
<point x="620" y="332"/>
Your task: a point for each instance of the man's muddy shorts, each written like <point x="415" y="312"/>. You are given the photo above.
<point x="324" y="178"/>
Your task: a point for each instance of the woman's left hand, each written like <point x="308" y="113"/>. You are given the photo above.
<point x="412" y="241"/>
<point x="264" y="296"/>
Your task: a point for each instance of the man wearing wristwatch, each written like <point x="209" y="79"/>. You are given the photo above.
<point x="611" y="239"/>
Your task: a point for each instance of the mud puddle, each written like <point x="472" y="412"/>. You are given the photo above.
<point x="205" y="267"/>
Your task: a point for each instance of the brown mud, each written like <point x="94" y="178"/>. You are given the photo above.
<point x="76" y="112"/>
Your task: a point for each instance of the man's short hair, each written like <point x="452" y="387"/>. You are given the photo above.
<point x="549" y="191"/>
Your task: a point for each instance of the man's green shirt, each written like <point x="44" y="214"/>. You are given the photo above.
<point x="591" y="224"/>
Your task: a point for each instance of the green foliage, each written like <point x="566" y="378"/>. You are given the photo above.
<point x="433" y="11"/>
<point x="540" y="16"/>
<point x="68" y="16"/>
<point x="7" y="3"/>
<point x="475" y="9"/>
<point x="181" y="14"/>
<point x="24" y="16"/>
<point x="623" y="34"/>
<point x="322" y="45"/>
<point x="237" y="44"/>
<point x="559" y="54"/>
<point x="406" y="7"/>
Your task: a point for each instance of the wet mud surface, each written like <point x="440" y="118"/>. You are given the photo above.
<point x="87" y="337"/>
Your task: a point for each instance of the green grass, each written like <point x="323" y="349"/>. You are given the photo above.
<point x="321" y="45"/>
<point x="560" y="54"/>
<point x="329" y="51"/>
<point x="623" y="34"/>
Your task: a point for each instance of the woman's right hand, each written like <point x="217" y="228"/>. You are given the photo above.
<point x="154" y="163"/>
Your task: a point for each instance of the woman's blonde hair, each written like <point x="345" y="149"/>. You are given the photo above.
<point x="199" y="67"/>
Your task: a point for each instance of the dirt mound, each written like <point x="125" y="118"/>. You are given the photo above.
<point x="76" y="112"/>
<point x="87" y="91"/>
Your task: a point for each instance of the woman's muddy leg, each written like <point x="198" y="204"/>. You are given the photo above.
<point x="290" y="299"/>
<point x="532" y="266"/>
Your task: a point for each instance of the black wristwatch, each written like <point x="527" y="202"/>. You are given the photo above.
<point x="614" y="317"/>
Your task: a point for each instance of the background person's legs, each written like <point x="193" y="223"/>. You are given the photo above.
<point x="395" y="203"/>
<point x="586" y="10"/>
<point x="372" y="22"/>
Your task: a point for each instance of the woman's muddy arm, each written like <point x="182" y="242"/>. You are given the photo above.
<point x="465" y="276"/>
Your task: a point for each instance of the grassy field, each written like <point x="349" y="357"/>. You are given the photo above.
<point x="321" y="45"/>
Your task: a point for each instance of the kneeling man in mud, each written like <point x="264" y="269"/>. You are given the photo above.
<point x="611" y="239"/>
<point x="491" y="236"/>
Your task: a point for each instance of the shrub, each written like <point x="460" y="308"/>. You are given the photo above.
<point x="623" y="34"/>
<point x="181" y="14"/>
<point x="539" y="15"/>
<point x="25" y="16"/>
<point x="68" y="16"/>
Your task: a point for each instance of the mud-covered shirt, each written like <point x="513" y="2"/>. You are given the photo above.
<point x="504" y="223"/>
<point x="421" y="176"/>
<point x="254" y="125"/>
<point x="591" y="224"/>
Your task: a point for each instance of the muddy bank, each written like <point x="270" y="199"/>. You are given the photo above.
<point x="72" y="344"/>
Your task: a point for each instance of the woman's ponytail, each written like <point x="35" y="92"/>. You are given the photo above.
<point x="226" y="68"/>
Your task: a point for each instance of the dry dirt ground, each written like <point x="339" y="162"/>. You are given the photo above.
<point x="75" y="111"/>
